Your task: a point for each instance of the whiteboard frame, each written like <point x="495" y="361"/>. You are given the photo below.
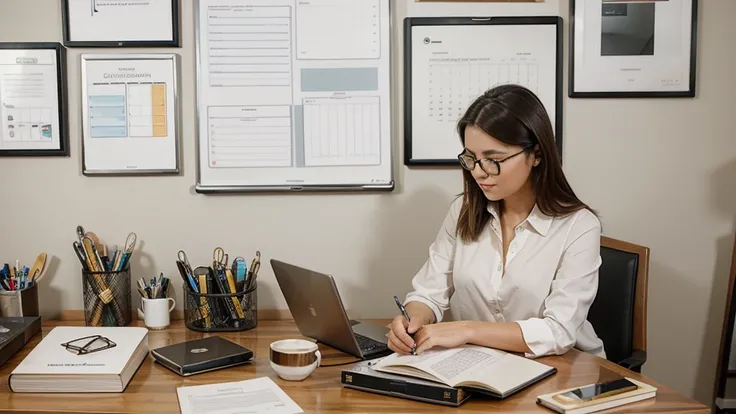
<point x="199" y="107"/>
<point x="410" y="22"/>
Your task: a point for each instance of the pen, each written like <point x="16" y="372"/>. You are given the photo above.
<point x="403" y="312"/>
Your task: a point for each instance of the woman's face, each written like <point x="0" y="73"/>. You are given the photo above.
<point x="515" y="165"/>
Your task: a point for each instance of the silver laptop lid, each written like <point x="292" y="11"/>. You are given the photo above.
<point x="316" y="306"/>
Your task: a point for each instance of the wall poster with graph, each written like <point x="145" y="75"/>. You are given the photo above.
<point x="445" y="70"/>
<point x="293" y="95"/>
<point x="632" y="48"/>
<point x="130" y="114"/>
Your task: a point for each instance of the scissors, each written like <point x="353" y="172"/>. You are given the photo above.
<point x="130" y="243"/>
<point x="80" y="233"/>
<point x="255" y="265"/>
<point x="184" y="261"/>
<point x="219" y="258"/>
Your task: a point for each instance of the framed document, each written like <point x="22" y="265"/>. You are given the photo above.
<point x="115" y="23"/>
<point x="632" y="48"/>
<point x="33" y="94"/>
<point x="130" y="114"/>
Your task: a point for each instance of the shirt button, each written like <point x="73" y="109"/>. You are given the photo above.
<point x="519" y="229"/>
<point x="498" y="267"/>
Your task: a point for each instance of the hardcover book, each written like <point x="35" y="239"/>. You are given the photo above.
<point x="82" y="359"/>
<point x="15" y="332"/>
<point x="201" y="355"/>
<point x="363" y="377"/>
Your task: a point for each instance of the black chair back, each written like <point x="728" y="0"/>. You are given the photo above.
<point x="612" y="312"/>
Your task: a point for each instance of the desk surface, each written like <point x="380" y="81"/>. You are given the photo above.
<point x="153" y="388"/>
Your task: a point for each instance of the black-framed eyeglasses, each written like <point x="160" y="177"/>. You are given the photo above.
<point x="488" y="165"/>
<point x="88" y="344"/>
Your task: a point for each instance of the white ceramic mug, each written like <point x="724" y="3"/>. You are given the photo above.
<point x="294" y="359"/>
<point x="155" y="312"/>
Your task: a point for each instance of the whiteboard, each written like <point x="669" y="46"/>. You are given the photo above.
<point x="449" y="62"/>
<point x="293" y="95"/>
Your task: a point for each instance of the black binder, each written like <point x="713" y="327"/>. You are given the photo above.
<point x="363" y="377"/>
<point x="201" y="355"/>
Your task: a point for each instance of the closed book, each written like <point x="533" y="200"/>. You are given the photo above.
<point x="363" y="377"/>
<point x="201" y="355"/>
<point x="82" y="359"/>
<point x="473" y="368"/>
<point x="15" y="332"/>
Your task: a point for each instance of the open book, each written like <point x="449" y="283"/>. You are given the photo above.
<point x="477" y="368"/>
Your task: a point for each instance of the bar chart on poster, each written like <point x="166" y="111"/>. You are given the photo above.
<point x="293" y="95"/>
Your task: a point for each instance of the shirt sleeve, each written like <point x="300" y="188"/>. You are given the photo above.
<point x="572" y="292"/>
<point x="433" y="283"/>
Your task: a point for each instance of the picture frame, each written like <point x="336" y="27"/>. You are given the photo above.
<point x="33" y="122"/>
<point x="436" y="94"/>
<point x="130" y="114"/>
<point x="633" y="48"/>
<point x="115" y="24"/>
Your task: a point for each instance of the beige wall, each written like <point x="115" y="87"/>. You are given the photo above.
<point x="659" y="171"/>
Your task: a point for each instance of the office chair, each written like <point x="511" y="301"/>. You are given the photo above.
<point x="622" y="290"/>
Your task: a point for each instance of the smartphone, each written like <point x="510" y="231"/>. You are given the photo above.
<point x="595" y="391"/>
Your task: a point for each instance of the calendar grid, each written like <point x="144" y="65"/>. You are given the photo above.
<point x="454" y="86"/>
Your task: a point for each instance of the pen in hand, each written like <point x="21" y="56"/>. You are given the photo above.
<point x="403" y="312"/>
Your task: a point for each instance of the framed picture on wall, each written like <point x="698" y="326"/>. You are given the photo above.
<point x="33" y="96"/>
<point x="115" y="23"/>
<point x="130" y="114"/>
<point x="632" y="48"/>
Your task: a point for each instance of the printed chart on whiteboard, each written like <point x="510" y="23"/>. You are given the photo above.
<point x="293" y="93"/>
<point x="448" y="72"/>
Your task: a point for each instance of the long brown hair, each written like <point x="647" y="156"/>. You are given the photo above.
<point x="514" y="115"/>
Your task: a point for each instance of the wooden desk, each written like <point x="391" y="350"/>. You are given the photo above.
<point x="153" y="388"/>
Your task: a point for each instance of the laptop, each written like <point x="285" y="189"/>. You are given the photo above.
<point x="318" y="312"/>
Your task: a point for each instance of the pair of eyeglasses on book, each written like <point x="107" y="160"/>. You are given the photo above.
<point x="88" y="344"/>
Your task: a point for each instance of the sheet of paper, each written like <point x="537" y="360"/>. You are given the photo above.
<point x="258" y="395"/>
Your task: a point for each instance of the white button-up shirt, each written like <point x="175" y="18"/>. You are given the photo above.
<point x="547" y="285"/>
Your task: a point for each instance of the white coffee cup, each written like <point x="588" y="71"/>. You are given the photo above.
<point x="155" y="312"/>
<point x="294" y="359"/>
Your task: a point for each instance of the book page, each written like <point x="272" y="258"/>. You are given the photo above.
<point x="449" y="366"/>
<point x="508" y="372"/>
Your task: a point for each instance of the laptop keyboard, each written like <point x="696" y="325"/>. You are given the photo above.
<point x="370" y="346"/>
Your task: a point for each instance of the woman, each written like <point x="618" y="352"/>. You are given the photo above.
<point x="517" y="257"/>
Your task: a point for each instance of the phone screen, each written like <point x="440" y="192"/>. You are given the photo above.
<point x="595" y="390"/>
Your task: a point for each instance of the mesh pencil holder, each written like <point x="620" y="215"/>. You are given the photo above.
<point x="107" y="298"/>
<point x="221" y="312"/>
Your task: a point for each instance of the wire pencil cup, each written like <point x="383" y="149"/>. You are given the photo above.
<point x="107" y="298"/>
<point x="213" y="312"/>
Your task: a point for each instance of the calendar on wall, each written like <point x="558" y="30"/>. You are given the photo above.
<point x="452" y="61"/>
<point x="453" y="86"/>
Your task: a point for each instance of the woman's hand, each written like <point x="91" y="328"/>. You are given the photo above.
<point x="445" y="334"/>
<point x="400" y="336"/>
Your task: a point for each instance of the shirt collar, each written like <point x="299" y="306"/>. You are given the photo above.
<point x="538" y="220"/>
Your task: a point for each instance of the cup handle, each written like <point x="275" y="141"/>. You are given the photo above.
<point x="173" y="304"/>
<point x="141" y="315"/>
<point x="319" y="357"/>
